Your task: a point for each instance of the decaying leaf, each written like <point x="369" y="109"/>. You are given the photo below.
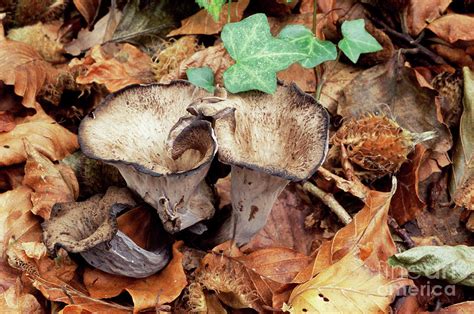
<point x="24" y="68"/>
<point x="203" y="23"/>
<point x="125" y="67"/>
<point x="421" y="13"/>
<point x="347" y="284"/>
<point x="50" y="183"/>
<point x="368" y="228"/>
<point x="88" y="9"/>
<point x="406" y="203"/>
<point x="459" y="308"/>
<point x="248" y="281"/>
<point x="453" y="27"/>
<point x="451" y="263"/>
<point x="46" y="135"/>
<point x="215" y="57"/>
<point x="146" y="293"/>
<point x="14" y="300"/>
<point x="394" y="88"/>
<point x="103" y="31"/>
<point x="462" y="182"/>
<point x="7" y="121"/>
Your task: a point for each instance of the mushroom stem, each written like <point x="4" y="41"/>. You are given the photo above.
<point x="329" y="200"/>
<point x="253" y="195"/>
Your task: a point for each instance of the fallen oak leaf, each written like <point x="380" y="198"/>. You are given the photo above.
<point x="45" y="134"/>
<point x="126" y="67"/>
<point x="158" y="289"/>
<point x="50" y="183"/>
<point x="202" y="23"/>
<point x="25" y="69"/>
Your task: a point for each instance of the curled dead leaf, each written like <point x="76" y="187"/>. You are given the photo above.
<point x="24" y="68"/>
<point x="50" y="183"/>
<point x="125" y="67"/>
<point x="45" y="134"/>
<point x="88" y="9"/>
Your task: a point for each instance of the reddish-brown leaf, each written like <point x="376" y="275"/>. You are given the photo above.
<point x="7" y="121"/>
<point x="50" y="183"/>
<point x="421" y="13"/>
<point x="453" y="27"/>
<point x="88" y="9"/>
<point x="15" y="300"/>
<point x="406" y="203"/>
<point x="203" y="23"/>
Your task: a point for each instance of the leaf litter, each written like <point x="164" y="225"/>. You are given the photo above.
<point x="399" y="95"/>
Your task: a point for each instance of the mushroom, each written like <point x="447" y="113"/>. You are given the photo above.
<point x="90" y="228"/>
<point x="269" y="140"/>
<point x="162" y="154"/>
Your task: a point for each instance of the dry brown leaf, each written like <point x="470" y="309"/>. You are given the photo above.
<point x="45" y="134"/>
<point x="368" y="228"/>
<point x="7" y="121"/>
<point x="453" y="27"/>
<point x="24" y="68"/>
<point x="304" y="78"/>
<point x="394" y="90"/>
<point x="88" y="9"/>
<point x="421" y="13"/>
<point x="349" y="283"/>
<point x="50" y="183"/>
<point x="285" y="226"/>
<point x="455" y="55"/>
<point x="202" y="23"/>
<point x="215" y="57"/>
<point x="103" y="31"/>
<point x="249" y="281"/>
<point x="14" y="300"/>
<point x="406" y="203"/>
<point x="149" y="292"/>
<point x="125" y="67"/>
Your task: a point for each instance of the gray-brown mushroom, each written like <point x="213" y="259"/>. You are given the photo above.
<point x="162" y="154"/>
<point x="269" y="140"/>
<point x="90" y="228"/>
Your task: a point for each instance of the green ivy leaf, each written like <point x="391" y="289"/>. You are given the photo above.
<point x="317" y="51"/>
<point x="356" y="40"/>
<point x="451" y="263"/>
<point x="202" y="77"/>
<point x="257" y="54"/>
<point x="213" y="7"/>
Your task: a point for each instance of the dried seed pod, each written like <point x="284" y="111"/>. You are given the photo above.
<point x="90" y="228"/>
<point x="375" y="143"/>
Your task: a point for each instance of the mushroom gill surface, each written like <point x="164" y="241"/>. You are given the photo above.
<point x="162" y="154"/>
<point x="269" y="140"/>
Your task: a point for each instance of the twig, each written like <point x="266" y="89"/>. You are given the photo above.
<point x="402" y="233"/>
<point x="409" y="40"/>
<point x="329" y="200"/>
<point x="354" y="187"/>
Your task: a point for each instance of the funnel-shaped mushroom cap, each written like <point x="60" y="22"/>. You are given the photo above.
<point x="284" y="134"/>
<point x="269" y="140"/>
<point x="162" y="156"/>
<point x="90" y="228"/>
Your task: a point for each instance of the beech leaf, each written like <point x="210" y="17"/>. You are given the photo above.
<point x="356" y="40"/>
<point x="451" y="263"/>
<point x="258" y="55"/>
<point x="202" y="77"/>
<point x="318" y="51"/>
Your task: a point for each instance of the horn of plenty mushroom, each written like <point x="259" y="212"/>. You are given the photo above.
<point x="269" y="140"/>
<point x="162" y="155"/>
<point x="90" y="228"/>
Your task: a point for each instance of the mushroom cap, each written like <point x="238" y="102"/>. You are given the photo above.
<point x="284" y="134"/>
<point x="133" y="127"/>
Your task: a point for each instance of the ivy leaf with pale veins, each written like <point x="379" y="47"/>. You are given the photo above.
<point x="317" y="51"/>
<point x="202" y="77"/>
<point x="451" y="263"/>
<point x="258" y="55"/>
<point x="356" y="40"/>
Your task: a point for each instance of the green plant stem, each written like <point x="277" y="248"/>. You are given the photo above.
<point x="321" y="81"/>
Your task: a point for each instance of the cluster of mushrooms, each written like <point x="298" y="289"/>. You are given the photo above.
<point x="163" y="138"/>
